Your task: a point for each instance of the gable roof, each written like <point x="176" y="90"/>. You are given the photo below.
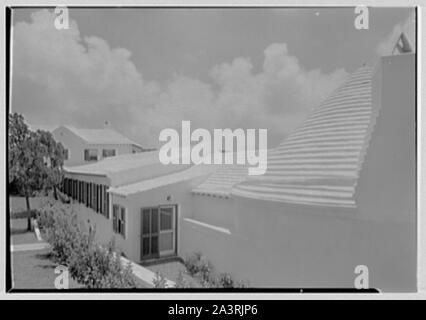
<point x="402" y="45"/>
<point x="101" y="136"/>
<point x="116" y="164"/>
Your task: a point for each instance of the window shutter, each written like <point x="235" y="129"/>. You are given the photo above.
<point x="90" y="195"/>
<point x="97" y="198"/>
<point x="86" y="200"/>
<point x="107" y="204"/>
<point x="114" y="218"/>
<point x="123" y="222"/>
<point x="101" y="199"/>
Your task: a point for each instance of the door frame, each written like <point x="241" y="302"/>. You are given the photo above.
<point x="175" y="232"/>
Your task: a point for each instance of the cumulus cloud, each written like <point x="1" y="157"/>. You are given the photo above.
<point x="84" y="81"/>
<point x="408" y="27"/>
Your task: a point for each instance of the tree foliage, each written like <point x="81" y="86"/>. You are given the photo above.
<point x="35" y="159"/>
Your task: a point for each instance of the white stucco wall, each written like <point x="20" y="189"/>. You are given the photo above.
<point x="73" y="143"/>
<point x="284" y="245"/>
<point x="131" y="245"/>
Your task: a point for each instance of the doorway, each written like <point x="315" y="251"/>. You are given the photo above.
<point x="158" y="231"/>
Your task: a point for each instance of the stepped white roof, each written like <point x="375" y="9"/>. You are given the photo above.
<point x="317" y="164"/>
<point x="221" y="182"/>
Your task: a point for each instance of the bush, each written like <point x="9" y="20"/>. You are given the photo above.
<point x="159" y="280"/>
<point x="98" y="267"/>
<point x="60" y="228"/>
<point x="198" y="266"/>
<point x="88" y="263"/>
<point x="226" y="281"/>
<point x="181" y="282"/>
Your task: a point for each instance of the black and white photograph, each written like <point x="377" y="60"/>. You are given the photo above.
<point x="161" y="149"/>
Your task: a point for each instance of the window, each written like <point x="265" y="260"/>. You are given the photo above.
<point x="90" y="155"/>
<point x="66" y="154"/>
<point x="167" y="229"/>
<point x="119" y="220"/>
<point x="166" y="219"/>
<point x="108" y="153"/>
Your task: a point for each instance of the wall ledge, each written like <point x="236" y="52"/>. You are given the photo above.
<point x="207" y="225"/>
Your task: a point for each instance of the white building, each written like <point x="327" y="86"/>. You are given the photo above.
<point x="91" y="145"/>
<point x="339" y="192"/>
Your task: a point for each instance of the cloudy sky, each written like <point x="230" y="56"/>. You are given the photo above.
<point x="144" y="70"/>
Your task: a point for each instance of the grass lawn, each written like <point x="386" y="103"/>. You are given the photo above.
<point x="19" y="233"/>
<point x="35" y="270"/>
<point x="31" y="269"/>
<point x="171" y="271"/>
<point x="18" y="204"/>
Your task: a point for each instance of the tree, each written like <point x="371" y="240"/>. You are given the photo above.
<point x="18" y="134"/>
<point x="35" y="160"/>
<point x="54" y="160"/>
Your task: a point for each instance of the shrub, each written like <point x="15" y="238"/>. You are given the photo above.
<point x="226" y="281"/>
<point x="199" y="267"/>
<point x="90" y="264"/>
<point x="181" y="282"/>
<point x="159" y="280"/>
<point x="61" y="230"/>
<point x="98" y="267"/>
